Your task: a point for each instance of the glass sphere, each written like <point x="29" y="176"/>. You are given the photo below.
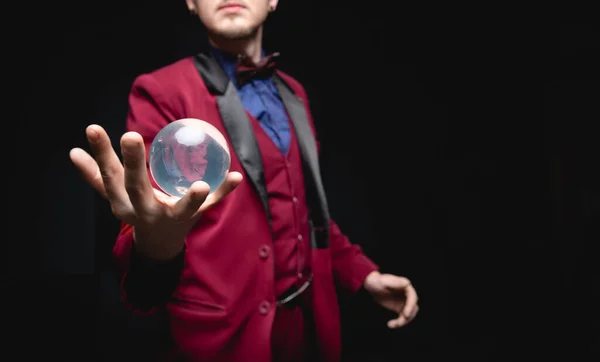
<point x="186" y="151"/>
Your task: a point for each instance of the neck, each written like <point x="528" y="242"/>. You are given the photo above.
<point x="250" y="46"/>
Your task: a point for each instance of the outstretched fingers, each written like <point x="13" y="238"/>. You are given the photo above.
<point x="232" y="181"/>
<point x="104" y="172"/>
<point x="199" y="199"/>
<point x="137" y="183"/>
<point x="89" y="170"/>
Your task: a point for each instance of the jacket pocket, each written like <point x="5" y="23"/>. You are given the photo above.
<point x="197" y="305"/>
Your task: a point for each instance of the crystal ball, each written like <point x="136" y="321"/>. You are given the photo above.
<point x="186" y="151"/>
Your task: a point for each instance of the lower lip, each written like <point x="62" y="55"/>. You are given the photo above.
<point x="231" y="8"/>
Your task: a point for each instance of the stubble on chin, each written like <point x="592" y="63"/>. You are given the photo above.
<point x="235" y="33"/>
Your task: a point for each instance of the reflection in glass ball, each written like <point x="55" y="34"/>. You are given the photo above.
<point x="186" y="151"/>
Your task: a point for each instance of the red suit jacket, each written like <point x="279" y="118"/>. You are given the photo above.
<point x="223" y="305"/>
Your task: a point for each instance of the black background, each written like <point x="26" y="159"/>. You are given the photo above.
<point x="457" y="149"/>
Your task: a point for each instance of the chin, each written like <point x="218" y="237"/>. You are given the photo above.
<point x="236" y="33"/>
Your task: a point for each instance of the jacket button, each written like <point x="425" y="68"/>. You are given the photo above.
<point x="263" y="308"/>
<point x="263" y="251"/>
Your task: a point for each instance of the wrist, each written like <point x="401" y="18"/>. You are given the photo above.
<point x="156" y="246"/>
<point x="372" y="281"/>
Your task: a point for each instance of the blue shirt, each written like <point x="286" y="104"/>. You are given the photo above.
<point x="261" y="99"/>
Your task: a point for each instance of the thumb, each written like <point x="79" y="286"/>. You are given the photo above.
<point x="189" y="204"/>
<point x="232" y="180"/>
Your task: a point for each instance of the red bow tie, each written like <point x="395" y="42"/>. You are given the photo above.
<point x="246" y="70"/>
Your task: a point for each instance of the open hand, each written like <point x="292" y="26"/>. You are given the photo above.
<point x="395" y="294"/>
<point x="153" y="214"/>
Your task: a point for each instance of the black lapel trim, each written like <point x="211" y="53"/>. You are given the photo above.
<point x="315" y="195"/>
<point x="236" y="122"/>
<point x="214" y="77"/>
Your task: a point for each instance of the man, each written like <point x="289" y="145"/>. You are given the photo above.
<point x="247" y="275"/>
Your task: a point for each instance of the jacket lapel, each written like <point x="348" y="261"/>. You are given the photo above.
<point x="240" y="132"/>
<point x="236" y="122"/>
<point x="315" y="195"/>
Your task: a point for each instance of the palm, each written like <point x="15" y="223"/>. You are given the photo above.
<point x="390" y="299"/>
